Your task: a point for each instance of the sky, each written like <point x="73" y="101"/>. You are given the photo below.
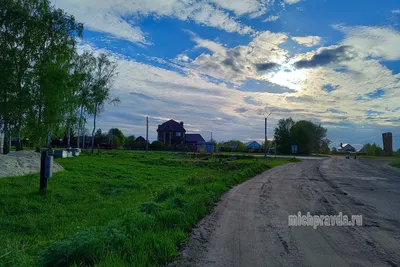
<point x="221" y="66"/>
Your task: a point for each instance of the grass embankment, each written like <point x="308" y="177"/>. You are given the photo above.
<point x="395" y="164"/>
<point x="115" y="209"/>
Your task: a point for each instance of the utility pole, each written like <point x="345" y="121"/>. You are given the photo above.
<point x="147" y="134"/>
<point x="265" y="132"/>
<point x="265" y="137"/>
<point x="211" y="137"/>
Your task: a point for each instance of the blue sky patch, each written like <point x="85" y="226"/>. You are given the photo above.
<point x="330" y="88"/>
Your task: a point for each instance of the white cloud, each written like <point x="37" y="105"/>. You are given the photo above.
<point x="210" y="45"/>
<point x="271" y="18"/>
<point x="182" y="58"/>
<point x="373" y="41"/>
<point x="308" y="41"/>
<point x="291" y="2"/>
<point x="239" y="63"/>
<point x="97" y="18"/>
<point x="241" y="7"/>
<point x="396" y="11"/>
<point x="108" y="16"/>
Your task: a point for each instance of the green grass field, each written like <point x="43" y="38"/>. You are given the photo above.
<point x="117" y="208"/>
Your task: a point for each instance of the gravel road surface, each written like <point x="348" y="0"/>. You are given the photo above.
<point x="249" y="226"/>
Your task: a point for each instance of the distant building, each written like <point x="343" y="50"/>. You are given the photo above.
<point x="140" y="139"/>
<point x="171" y="133"/>
<point x="205" y="147"/>
<point x="193" y="139"/>
<point x="139" y="143"/>
<point x="387" y="139"/>
<point x="345" y="148"/>
<point x="253" y="145"/>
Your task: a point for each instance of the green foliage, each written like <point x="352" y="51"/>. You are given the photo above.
<point x="233" y="146"/>
<point x="129" y="141"/>
<point x="282" y="135"/>
<point x="37" y="45"/>
<point x="47" y="88"/>
<point x="373" y="150"/>
<point x="395" y="164"/>
<point x="118" y="137"/>
<point x="308" y="136"/>
<point x="119" y="208"/>
<point x="156" y="145"/>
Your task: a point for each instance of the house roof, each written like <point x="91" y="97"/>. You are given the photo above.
<point x="171" y="126"/>
<point x="252" y="143"/>
<point x="193" y="138"/>
<point x="140" y="139"/>
<point x="344" y="145"/>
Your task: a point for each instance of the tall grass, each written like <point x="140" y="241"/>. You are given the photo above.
<point x="117" y="208"/>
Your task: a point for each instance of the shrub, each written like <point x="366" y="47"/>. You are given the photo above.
<point x="156" y="145"/>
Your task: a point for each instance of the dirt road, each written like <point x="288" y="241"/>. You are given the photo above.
<point x="249" y="226"/>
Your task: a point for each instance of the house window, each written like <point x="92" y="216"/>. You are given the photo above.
<point x="178" y="134"/>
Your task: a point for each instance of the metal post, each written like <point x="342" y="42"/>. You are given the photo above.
<point x="43" y="178"/>
<point x="147" y="134"/>
<point x="265" y="137"/>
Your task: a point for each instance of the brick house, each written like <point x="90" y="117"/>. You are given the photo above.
<point x="171" y="133"/>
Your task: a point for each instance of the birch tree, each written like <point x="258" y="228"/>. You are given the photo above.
<point x="100" y="92"/>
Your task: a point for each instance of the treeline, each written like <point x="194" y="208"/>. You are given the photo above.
<point x="375" y="150"/>
<point x="308" y="136"/>
<point x="47" y="88"/>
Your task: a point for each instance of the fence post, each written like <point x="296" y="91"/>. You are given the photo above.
<point x="43" y="178"/>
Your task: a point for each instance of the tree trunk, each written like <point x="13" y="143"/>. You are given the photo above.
<point x="20" y="105"/>
<point x="80" y="125"/>
<point x="69" y="136"/>
<point x="6" y="148"/>
<point x="19" y="144"/>
<point x="48" y="139"/>
<point x="94" y="126"/>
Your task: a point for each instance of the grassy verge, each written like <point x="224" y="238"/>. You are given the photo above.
<point x="395" y="164"/>
<point x="117" y="208"/>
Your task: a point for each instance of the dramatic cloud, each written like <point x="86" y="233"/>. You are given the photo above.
<point x="326" y="56"/>
<point x="266" y="66"/>
<point x="110" y="16"/>
<point x="373" y="41"/>
<point x="242" y="62"/>
<point x="308" y="41"/>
